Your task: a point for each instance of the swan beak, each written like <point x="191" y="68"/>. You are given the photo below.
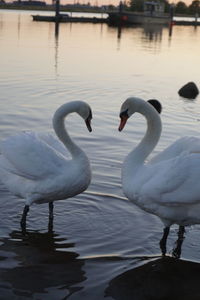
<point x="88" y="124"/>
<point x="123" y="121"/>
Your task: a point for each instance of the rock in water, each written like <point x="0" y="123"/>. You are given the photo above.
<point x="156" y="104"/>
<point x="189" y="91"/>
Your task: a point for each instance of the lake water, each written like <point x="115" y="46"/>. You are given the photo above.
<point x="101" y="243"/>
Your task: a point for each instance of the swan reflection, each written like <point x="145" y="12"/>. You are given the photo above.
<point x="37" y="266"/>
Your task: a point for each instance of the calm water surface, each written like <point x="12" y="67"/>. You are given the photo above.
<point x="99" y="237"/>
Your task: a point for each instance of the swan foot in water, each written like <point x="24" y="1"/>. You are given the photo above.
<point x="50" y="225"/>
<point x="176" y="253"/>
<point x="163" y="241"/>
<point x="23" y="219"/>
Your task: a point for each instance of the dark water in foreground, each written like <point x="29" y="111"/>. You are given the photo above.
<point x="101" y="245"/>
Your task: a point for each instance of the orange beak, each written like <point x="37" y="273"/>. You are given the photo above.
<point x="123" y="121"/>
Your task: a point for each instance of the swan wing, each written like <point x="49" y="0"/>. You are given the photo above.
<point x="187" y="144"/>
<point x="55" y="143"/>
<point x="30" y="156"/>
<point x="174" y="182"/>
<point x="7" y="167"/>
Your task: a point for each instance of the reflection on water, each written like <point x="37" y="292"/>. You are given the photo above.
<point x="153" y="33"/>
<point x="164" y="278"/>
<point x="41" y="267"/>
<point x="56" y="29"/>
<point x="150" y="33"/>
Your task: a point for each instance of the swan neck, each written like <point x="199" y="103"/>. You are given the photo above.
<point x="60" y="129"/>
<point x="151" y="137"/>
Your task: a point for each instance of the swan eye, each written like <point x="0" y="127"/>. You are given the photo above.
<point x="124" y="114"/>
<point x="90" y="115"/>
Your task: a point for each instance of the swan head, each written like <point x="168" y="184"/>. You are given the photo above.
<point x="132" y="105"/>
<point x="85" y="112"/>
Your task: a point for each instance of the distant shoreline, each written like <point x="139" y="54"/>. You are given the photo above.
<point x="52" y="8"/>
<point x="68" y="9"/>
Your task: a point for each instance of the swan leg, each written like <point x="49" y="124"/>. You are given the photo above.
<point x="23" y="219"/>
<point x="50" y="210"/>
<point x="177" y="250"/>
<point x="50" y="225"/>
<point x="163" y="241"/>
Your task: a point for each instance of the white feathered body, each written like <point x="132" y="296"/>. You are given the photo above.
<point x="169" y="189"/>
<point x="38" y="168"/>
<point x="169" y="184"/>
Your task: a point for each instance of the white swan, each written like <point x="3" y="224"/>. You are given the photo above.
<point x="36" y="167"/>
<point x="167" y="186"/>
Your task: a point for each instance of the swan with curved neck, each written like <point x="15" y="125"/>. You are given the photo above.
<point x="36" y="167"/>
<point x="168" y="185"/>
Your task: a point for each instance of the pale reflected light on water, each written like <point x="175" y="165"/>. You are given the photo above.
<point x="100" y="243"/>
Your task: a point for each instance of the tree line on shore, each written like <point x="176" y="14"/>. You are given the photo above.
<point x="179" y="8"/>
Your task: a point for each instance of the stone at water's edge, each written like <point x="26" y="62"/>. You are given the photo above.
<point x="160" y="279"/>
